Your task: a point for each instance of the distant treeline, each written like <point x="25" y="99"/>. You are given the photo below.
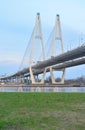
<point x="79" y="80"/>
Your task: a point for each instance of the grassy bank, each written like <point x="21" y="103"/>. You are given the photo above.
<point x="42" y="111"/>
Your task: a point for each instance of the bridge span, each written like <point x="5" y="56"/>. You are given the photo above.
<point x="68" y="59"/>
<point x="55" y="63"/>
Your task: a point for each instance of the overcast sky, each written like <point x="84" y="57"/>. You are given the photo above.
<point x="17" y="19"/>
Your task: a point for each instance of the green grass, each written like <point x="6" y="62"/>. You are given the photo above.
<point x="42" y="111"/>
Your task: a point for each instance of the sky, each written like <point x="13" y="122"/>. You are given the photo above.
<point x="17" y="19"/>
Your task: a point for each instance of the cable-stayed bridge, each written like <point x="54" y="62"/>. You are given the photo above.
<point x="55" y="62"/>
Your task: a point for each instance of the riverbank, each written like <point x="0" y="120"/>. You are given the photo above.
<point x="42" y="111"/>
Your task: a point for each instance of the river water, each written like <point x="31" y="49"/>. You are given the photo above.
<point x="42" y="89"/>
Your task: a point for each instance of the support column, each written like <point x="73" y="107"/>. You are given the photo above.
<point x="57" y="36"/>
<point x="37" y="27"/>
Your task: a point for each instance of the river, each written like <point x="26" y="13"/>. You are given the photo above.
<point x="42" y="89"/>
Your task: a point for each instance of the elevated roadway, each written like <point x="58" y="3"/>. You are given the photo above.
<point x="70" y="55"/>
<point x="67" y="59"/>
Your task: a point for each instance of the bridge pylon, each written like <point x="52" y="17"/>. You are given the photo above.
<point x="37" y="28"/>
<point x="57" y="36"/>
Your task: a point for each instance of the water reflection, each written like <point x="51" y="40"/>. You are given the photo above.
<point x="42" y="89"/>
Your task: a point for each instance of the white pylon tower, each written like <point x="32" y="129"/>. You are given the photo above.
<point x="57" y="36"/>
<point x="37" y="28"/>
